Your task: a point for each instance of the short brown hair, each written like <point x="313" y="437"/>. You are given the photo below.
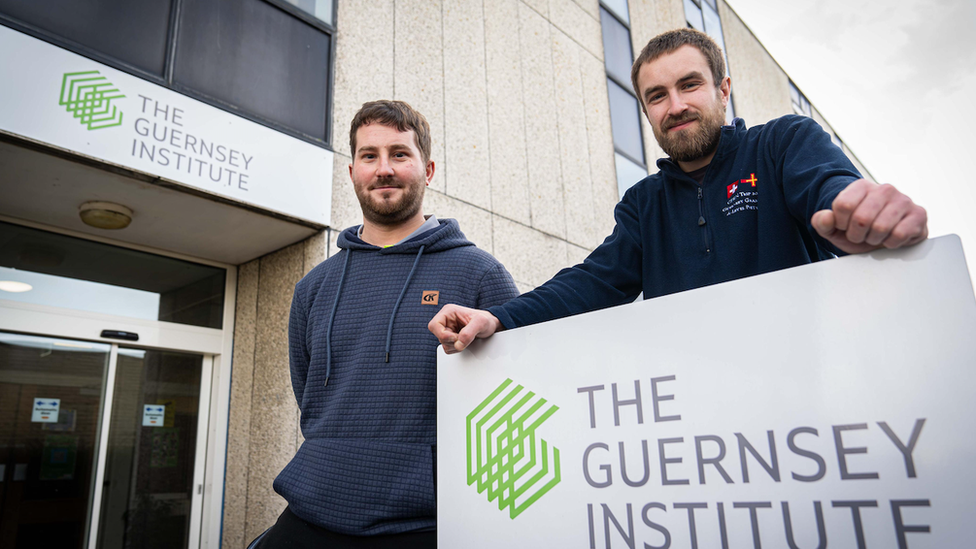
<point x="394" y="114"/>
<point x="670" y="41"/>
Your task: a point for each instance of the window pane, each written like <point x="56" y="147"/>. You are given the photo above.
<point x="252" y="55"/>
<point x="73" y="273"/>
<point x="794" y="94"/>
<point x="625" y="121"/>
<point x="628" y="173"/>
<point x="616" y="47"/>
<point x="712" y="4"/>
<point x="618" y="7"/>
<point x="321" y="9"/>
<point x="713" y="26"/>
<point x="132" y="32"/>
<point x="693" y="15"/>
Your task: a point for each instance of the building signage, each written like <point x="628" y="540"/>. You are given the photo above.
<point x="826" y="405"/>
<point x="58" y="97"/>
<point x="46" y="410"/>
<point x="153" y="415"/>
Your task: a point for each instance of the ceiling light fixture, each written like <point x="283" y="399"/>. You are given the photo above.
<point x="15" y="287"/>
<point x="105" y="215"/>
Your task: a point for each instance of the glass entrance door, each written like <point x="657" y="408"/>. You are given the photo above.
<point x="123" y="343"/>
<point x="51" y="397"/>
<point x="101" y="444"/>
<point x="147" y="491"/>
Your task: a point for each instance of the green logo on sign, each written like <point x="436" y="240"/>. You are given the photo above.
<point x="88" y="96"/>
<point x="504" y="455"/>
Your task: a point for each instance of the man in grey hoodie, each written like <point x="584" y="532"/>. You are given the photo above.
<point x="363" y="364"/>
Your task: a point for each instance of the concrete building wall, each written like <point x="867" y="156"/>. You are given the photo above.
<point x="516" y="95"/>
<point x="500" y="82"/>
<point x="760" y="88"/>
<point x="263" y="431"/>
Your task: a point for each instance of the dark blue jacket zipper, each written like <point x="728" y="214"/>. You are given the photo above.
<point x="701" y="220"/>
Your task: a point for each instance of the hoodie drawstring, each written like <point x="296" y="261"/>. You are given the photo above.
<point x="389" y="331"/>
<point x="328" y="332"/>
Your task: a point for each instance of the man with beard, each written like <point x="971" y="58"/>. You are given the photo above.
<point x="363" y="365"/>
<point x="729" y="202"/>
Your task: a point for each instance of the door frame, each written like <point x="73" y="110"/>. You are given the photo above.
<point x="215" y="344"/>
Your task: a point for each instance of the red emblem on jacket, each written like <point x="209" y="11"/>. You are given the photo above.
<point x="731" y="189"/>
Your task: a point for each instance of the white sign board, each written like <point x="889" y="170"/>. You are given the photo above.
<point x="833" y="402"/>
<point x="58" y="97"/>
<point x="46" y="410"/>
<point x="153" y="415"/>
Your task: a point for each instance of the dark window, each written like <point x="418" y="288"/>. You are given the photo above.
<point x="693" y="15"/>
<point x="132" y="32"/>
<point x="625" y="113"/>
<point x="800" y="103"/>
<point x="252" y="55"/>
<point x="267" y="60"/>
<point x="617" y="52"/>
<point x="625" y="120"/>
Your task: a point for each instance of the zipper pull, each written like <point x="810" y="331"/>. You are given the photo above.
<point x="701" y="218"/>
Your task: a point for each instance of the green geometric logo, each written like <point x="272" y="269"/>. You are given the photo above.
<point x="88" y="96"/>
<point x="505" y="457"/>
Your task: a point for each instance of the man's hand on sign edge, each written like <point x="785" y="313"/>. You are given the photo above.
<point x="866" y="216"/>
<point x="456" y="327"/>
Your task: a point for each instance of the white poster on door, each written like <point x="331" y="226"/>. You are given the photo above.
<point x="46" y="410"/>
<point x="153" y="415"/>
<point x="827" y="405"/>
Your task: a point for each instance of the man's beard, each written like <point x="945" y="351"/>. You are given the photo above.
<point x="392" y="212"/>
<point x="691" y="144"/>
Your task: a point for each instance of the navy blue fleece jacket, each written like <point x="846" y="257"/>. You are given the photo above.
<point x="750" y="215"/>
<point x="364" y="371"/>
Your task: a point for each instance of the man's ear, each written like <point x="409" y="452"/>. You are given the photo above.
<point x="350" y="171"/>
<point x="726" y="90"/>
<point x="430" y="171"/>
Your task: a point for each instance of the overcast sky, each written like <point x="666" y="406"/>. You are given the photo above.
<point x="897" y="81"/>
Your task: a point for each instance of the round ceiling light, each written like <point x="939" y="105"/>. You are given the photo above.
<point x="105" y="215"/>
<point x="15" y="287"/>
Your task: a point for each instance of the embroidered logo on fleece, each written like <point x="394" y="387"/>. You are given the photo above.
<point x="741" y="195"/>
<point x="429" y="297"/>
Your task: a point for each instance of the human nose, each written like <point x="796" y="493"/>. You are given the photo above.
<point x="676" y="105"/>
<point x="384" y="167"/>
